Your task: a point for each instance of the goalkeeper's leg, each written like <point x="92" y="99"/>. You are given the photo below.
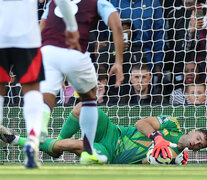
<point x="52" y="147"/>
<point x="71" y="125"/>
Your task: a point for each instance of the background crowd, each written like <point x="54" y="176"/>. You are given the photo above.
<point x="164" y="55"/>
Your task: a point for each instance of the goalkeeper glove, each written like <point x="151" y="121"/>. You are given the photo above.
<point x="181" y="158"/>
<point x="161" y="145"/>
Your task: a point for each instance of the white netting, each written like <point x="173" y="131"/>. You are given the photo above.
<point x="173" y="49"/>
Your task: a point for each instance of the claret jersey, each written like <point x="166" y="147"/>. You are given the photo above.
<point x="19" y="25"/>
<point x="53" y="32"/>
<point x="87" y="13"/>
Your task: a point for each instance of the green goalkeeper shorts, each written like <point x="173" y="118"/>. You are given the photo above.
<point x="106" y="138"/>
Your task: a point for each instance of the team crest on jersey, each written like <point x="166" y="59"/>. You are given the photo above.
<point x="74" y="8"/>
<point x="165" y="119"/>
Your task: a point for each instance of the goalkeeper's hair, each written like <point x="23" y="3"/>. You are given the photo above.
<point x="204" y="131"/>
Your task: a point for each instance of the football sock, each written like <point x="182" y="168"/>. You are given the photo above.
<point x="70" y="127"/>
<point x="1" y="108"/>
<point x="46" y="118"/>
<point x="45" y="121"/>
<point x="21" y="141"/>
<point x="33" y="113"/>
<point x="47" y="146"/>
<point x="17" y="140"/>
<point x="88" y="124"/>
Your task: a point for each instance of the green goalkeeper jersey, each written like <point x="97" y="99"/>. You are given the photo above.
<point x="123" y="145"/>
<point x="132" y="145"/>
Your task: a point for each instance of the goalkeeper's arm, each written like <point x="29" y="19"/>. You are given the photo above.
<point x="149" y="127"/>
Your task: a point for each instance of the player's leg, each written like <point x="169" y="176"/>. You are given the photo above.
<point x="53" y="147"/>
<point x="83" y="79"/>
<point x="81" y="73"/>
<point x="88" y="119"/>
<point x="70" y="127"/>
<point x="32" y="111"/>
<point x="100" y="154"/>
<point x="105" y="140"/>
<point x="52" y="83"/>
<point x="29" y="72"/>
<point x="106" y="137"/>
<point x="56" y="147"/>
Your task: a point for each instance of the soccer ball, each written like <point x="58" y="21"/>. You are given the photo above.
<point x="160" y="159"/>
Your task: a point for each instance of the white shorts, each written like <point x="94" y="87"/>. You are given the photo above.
<point x="60" y="63"/>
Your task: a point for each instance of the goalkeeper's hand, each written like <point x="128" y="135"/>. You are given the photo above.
<point x="181" y="158"/>
<point x="161" y="145"/>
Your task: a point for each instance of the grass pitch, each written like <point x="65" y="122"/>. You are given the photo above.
<point x="62" y="171"/>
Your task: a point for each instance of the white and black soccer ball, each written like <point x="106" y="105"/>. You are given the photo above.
<point x="160" y="159"/>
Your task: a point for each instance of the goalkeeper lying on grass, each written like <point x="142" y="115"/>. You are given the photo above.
<point x="122" y="145"/>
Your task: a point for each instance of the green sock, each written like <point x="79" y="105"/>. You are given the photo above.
<point x="70" y="127"/>
<point x="47" y="146"/>
<point x="21" y="141"/>
<point x="45" y="120"/>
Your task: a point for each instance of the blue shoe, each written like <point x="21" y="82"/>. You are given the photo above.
<point x="31" y="155"/>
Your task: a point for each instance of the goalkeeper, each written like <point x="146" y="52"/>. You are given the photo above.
<point x="122" y="145"/>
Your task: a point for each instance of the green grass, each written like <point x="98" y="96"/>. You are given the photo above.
<point x="60" y="171"/>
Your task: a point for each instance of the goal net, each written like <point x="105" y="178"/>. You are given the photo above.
<point x="157" y="39"/>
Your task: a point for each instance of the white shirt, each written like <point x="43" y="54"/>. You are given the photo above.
<point x="19" y="25"/>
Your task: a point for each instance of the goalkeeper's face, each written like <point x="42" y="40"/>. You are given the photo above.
<point x="195" y="140"/>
